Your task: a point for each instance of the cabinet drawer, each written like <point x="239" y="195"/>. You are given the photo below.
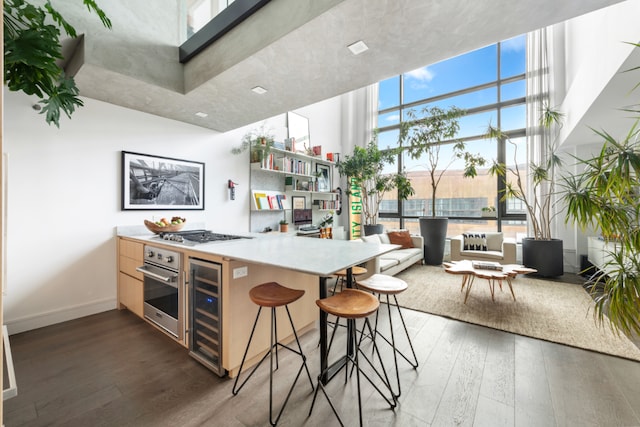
<point x="128" y="266"/>
<point x="130" y="293"/>
<point x="133" y="250"/>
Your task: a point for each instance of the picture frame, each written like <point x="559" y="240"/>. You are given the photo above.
<point x="324" y="177"/>
<point x="298" y="202"/>
<point x="151" y="182"/>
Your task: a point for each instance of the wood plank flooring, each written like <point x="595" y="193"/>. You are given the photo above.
<point x="113" y="369"/>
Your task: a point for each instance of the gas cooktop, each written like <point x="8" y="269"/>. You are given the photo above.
<point x="197" y="236"/>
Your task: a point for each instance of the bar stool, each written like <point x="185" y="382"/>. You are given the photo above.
<point x="388" y="285"/>
<point x="341" y="276"/>
<point x="352" y="304"/>
<point x="273" y="295"/>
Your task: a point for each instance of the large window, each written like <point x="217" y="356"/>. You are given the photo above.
<point x="489" y="84"/>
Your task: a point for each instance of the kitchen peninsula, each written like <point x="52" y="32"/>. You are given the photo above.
<point x="296" y="262"/>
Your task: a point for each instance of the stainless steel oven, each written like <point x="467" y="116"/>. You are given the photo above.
<point x="163" y="289"/>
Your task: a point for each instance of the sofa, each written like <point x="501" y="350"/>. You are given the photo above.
<point x="483" y="246"/>
<point x="391" y="263"/>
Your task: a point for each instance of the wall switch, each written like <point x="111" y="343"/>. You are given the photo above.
<point x="240" y="272"/>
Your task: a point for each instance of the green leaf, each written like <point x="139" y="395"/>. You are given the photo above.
<point x="31" y="49"/>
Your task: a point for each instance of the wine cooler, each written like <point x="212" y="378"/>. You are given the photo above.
<point x="205" y="338"/>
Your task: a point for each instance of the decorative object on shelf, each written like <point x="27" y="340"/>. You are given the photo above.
<point x="159" y="183"/>
<point x="298" y="129"/>
<point x="259" y="141"/>
<point x="323" y="175"/>
<point x="299" y="202"/>
<point x="539" y="251"/>
<point x="424" y="133"/>
<point x="165" y="226"/>
<point x="327" y="220"/>
<point x="489" y="212"/>
<point x="284" y="226"/>
<point x="368" y="182"/>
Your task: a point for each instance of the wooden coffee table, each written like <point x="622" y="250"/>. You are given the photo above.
<point x="469" y="273"/>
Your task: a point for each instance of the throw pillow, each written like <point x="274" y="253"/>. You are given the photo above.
<point x="401" y="238"/>
<point x="474" y="242"/>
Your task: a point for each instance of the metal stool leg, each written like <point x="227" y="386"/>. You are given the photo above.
<point x="274" y="348"/>
<point x="355" y="360"/>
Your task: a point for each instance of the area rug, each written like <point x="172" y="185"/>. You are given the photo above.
<point x="550" y="310"/>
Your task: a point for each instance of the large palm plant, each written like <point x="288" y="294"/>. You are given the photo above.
<point x="605" y="197"/>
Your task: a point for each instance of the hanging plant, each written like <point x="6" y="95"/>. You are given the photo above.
<point x="31" y="49"/>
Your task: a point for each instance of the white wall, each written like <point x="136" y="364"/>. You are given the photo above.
<point x="64" y="198"/>
<point x="64" y="202"/>
<point x="592" y="51"/>
<point x="596" y="48"/>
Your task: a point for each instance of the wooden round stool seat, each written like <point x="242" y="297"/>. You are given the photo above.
<point x="349" y="304"/>
<point x="356" y="271"/>
<point x="383" y="284"/>
<point x="273" y="294"/>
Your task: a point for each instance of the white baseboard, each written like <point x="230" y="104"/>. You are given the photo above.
<point x="40" y="320"/>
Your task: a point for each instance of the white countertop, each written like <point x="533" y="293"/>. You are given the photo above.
<point x="320" y="257"/>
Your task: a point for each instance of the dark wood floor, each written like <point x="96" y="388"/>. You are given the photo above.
<point x="113" y="369"/>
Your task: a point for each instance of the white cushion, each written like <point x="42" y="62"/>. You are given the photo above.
<point x="387" y="263"/>
<point x="384" y="238"/>
<point x="374" y="238"/>
<point x="475" y="241"/>
<point x="494" y="241"/>
<point x="400" y="254"/>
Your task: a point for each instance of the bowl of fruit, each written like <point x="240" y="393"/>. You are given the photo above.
<point x="164" y="225"/>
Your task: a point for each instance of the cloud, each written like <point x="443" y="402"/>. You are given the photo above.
<point x="421" y="74"/>
<point x="516" y="44"/>
<point x="393" y="119"/>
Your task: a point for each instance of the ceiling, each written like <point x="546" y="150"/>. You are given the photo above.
<point x="296" y="50"/>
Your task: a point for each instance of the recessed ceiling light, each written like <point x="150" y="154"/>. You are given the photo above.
<point x="358" y="47"/>
<point x="201" y="114"/>
<point x="259" y="90"/>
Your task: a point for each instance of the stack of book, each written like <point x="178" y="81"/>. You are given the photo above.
<point x="486" y="265"/>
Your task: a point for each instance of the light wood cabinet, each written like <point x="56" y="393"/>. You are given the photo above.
<point x="130" y="285"/>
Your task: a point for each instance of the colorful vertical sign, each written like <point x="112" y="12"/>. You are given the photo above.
<point x="355" y="210"/>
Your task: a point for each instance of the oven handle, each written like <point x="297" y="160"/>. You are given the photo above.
<point x="163" y="278"/>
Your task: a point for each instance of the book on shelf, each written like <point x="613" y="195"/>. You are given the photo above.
<point x="279" y="200"/>
<point x="257" y="197"/>
<point x="263" y="203"/>
<point x="486" y="265"/>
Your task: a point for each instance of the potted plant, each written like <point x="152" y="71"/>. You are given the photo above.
<point x="489" y="212"/>
<point x="605" y="197"/>
<point x="32" y="54"/>
<point x="540" y="251"/>
<point x="365" y="170"/>
<point x="259" y="141"/>
<point x="423" y="135"/>
<point x="284" y="226"/>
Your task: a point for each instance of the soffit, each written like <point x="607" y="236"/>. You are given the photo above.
<point x="298" y="52"/>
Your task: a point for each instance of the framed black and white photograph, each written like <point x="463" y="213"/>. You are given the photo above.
<point x="160" y="183"/>
<point x="324" y="177"/>
<point x="298" y="202"/>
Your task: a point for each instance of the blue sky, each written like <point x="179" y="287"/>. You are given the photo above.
<point x="467" y="70"/>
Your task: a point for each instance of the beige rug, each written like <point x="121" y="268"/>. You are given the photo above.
<point x="549" y="310"/>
